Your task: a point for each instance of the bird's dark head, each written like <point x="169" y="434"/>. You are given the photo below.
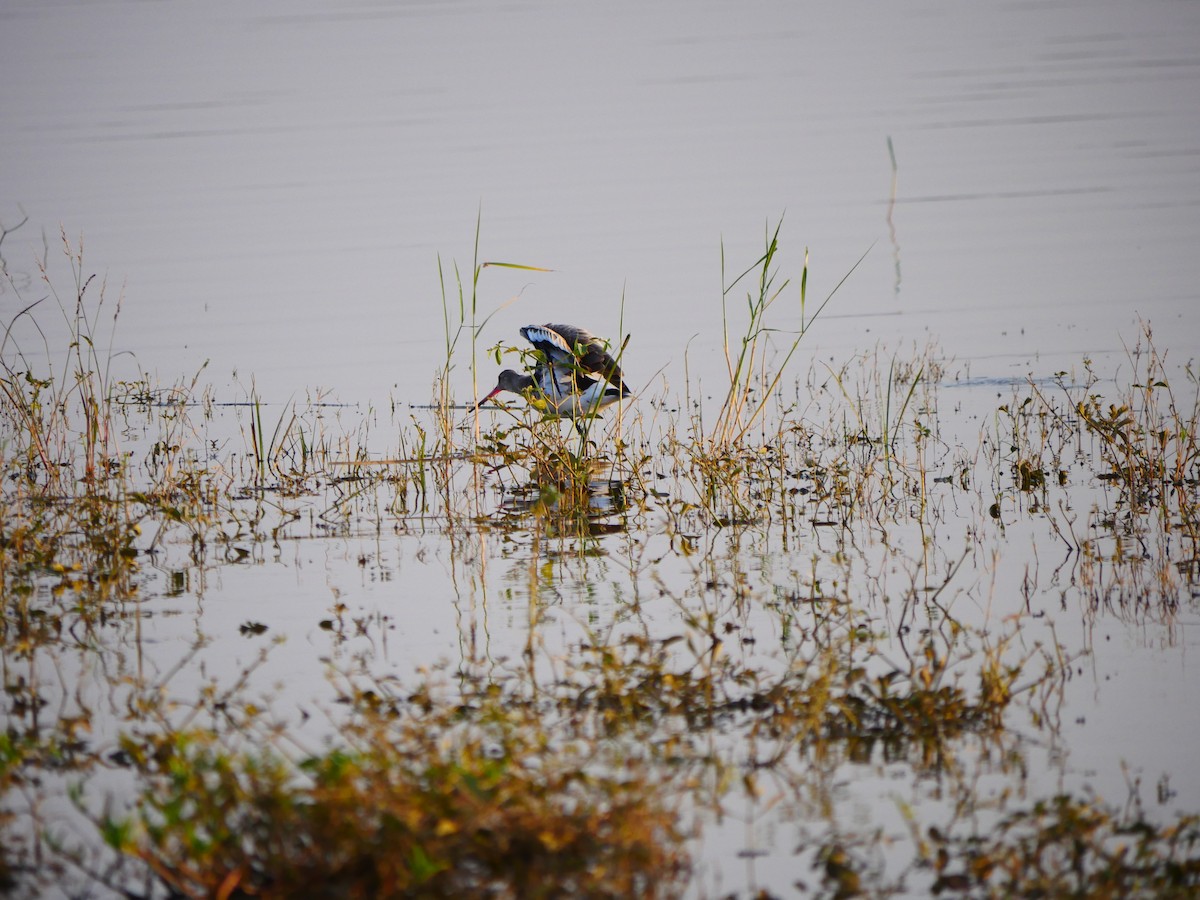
<point x="513" y="382"/>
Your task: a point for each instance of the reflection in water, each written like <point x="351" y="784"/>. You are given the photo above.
<point x="891" y="209"/>
<point x="594" y="507"/>
<point x="284" y="215"/>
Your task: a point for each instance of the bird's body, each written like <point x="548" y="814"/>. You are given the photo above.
<point x="574" y="378"/>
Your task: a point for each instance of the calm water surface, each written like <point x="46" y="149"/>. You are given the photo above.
<point x="272" y="183"/>
<point x="269" y="187"/>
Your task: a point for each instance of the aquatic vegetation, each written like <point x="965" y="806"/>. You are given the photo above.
<point x="427" y="803"/>
<point x="1066" y="846"/>
<point x="697" y="621"/>
<point x="1138" y="545"/>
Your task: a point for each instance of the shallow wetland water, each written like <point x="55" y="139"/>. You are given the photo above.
<point x="844" y="632"/>
<point x="884" y="597"/>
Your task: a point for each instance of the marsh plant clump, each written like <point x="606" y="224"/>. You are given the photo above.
<point x="425" y="803"/>
<point x="689" y="625"/>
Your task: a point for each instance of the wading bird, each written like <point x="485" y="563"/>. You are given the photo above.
<point x="574" y="378"/>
